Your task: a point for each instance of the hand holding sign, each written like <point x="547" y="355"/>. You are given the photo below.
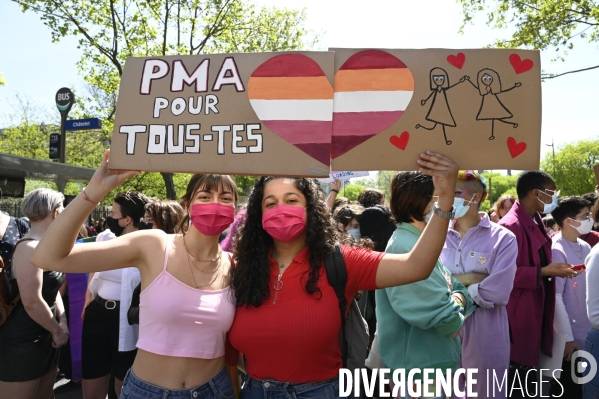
<point x="105" y="180"/>
<point x="443" y="170"/>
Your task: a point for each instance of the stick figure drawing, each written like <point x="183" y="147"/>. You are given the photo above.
<point x="491" y="108"/>
<point x="439" y="112"/>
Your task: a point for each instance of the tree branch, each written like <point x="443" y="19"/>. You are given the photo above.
<point x="565" y="73"/>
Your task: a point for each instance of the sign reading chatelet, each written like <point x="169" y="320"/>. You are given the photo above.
<point x="305" y="113"/>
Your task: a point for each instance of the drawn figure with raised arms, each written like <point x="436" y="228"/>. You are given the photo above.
<point x="491" y="108"/>
<point x="439" y="112"/>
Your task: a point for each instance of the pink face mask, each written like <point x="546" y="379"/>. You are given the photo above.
<point x="211" y="219"/>
<point x="284" y="222"/>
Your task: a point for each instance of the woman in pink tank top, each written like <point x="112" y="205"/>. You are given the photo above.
<point x="186" y="305"/>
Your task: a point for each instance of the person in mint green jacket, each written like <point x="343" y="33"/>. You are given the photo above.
<point x="418" y="323"/>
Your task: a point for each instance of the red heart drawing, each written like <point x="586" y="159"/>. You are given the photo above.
<point x="520" y="65"/>
<point x="457" y="60"/>
<point x="515" y="147"/>
<point x="401" y="142"/>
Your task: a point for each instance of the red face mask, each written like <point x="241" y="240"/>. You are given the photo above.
<point x="284" y="222"/>
<point x="211" y="219"/>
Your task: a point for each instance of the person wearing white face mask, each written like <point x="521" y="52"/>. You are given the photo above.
<point x="531" y="305"/>
<point x="426" y="316"/>
<point x="348" y="219"/>
<point x="482" y="256"/>
<point x="573" y="215"/>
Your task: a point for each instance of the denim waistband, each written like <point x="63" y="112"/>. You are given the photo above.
<point x="209" y="389"/>
<point x="279" y="386"/>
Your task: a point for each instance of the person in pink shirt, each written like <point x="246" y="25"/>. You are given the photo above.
<point x="573" y="215"/>
<point x="482" y="256"/>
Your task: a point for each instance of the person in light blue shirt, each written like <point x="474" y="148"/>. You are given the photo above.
<point x="419" y="323"/>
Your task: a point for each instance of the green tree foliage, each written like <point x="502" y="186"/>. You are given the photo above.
<point x="111" y="31"/>
<point x="498" y="185"/>
<point x="351" y="191"/>
<point x="540" y="24"/>
<point x="572" y="168"/>
<point x="382" y="181"/>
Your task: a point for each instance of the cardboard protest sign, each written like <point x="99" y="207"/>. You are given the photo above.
<point x="482" y="108"/>
<point x="344" y="175"/>
<point x="257" y="114"/>
<point x="596" y="171"/>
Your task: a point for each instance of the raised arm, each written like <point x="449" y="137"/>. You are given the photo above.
<point x="512" y="88"/>
<point x="57" y="250"/>
<point x="469" y="81"/>
<point x="336" y="185"/>
<point x="418" y="264"/>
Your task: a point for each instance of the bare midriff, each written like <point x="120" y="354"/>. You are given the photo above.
<point x="175" y="372"/>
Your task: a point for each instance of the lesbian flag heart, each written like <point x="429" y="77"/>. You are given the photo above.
<point x="372" y="90"/>
<point x="293" y="97"/>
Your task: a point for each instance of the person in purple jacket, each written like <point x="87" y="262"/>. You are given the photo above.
<point x="482" y="256"/>
<point x="573" y="215"/>
<point x="531" y="305"/>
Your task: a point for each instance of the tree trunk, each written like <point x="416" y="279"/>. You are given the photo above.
<point x="171" y="191"/>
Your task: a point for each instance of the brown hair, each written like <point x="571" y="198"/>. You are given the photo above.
<point x="339" y="201"/>
<point x="346" y="213"/>
<point x="370" y="197"/>
<point x="411" y="194"/>
<point x="499" y="204"/>
<point x="166" y="215"/>
<point x="204" y="182"/>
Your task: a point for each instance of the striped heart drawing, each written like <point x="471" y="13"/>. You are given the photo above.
<point x="372" y="90"/>
<point x="292" y="96"/>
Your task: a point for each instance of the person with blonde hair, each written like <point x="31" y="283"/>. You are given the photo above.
<point x="501" y="207"/>
<point x="37" y="327"/>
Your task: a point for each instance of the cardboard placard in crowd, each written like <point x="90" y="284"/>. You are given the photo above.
<point x="481" y="107"/>
<point x="291" y="113"/>
<point x="343" y="175"/>
<point x="252" y="114"/>
<point x="596" y="171"/>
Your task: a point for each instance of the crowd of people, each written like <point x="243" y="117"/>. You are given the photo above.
<point x="204" y="298"/>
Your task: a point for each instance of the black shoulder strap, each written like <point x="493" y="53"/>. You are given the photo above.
<point x="337" y="275"/>
<point x="21" y="226"/>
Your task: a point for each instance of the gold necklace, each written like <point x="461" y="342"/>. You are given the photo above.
<point x="194" y="278"/>
<point x="200" y="270"/>
<point x="198" y="259"/>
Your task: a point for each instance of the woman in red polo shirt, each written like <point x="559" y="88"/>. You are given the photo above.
<point x="287" y="322"/>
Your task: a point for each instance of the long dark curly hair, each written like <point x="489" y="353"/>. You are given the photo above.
<point x="251" y="275"/>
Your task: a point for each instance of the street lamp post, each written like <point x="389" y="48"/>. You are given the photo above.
<point x="552" y="145"/>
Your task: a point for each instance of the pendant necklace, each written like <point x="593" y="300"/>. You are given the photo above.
<point x="278" y="285"/>
<point x="190" y="264"/>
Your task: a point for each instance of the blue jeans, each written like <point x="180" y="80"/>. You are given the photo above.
<point x="218" y="387"/>
<point x="590" y="390"/>
<point x="271" y="389"/>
